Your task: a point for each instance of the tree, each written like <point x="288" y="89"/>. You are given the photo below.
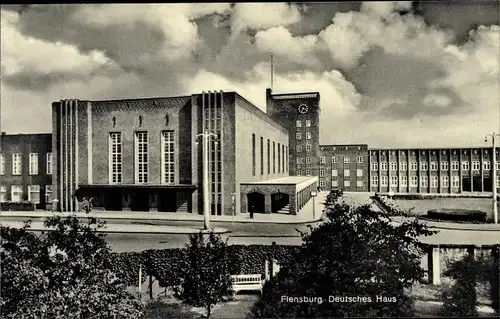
<point x="206" y="280"/>
<point x="64" y="273"/>
<point x="357" y="253"/>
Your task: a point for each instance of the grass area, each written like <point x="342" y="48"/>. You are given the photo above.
<point x="420" y="207"/>
<point x="164" y="310"/>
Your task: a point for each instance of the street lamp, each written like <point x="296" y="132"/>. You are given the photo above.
<point x="313" y="195"/>
<point x="494" y="168"/>
<point x="206" y="201"/>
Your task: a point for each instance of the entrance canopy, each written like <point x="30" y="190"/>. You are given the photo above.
<point x="286" y="195"/>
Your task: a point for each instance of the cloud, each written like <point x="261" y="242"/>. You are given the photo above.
<point x="175" y="21"/>
<point x="279" y="41"/>
<point x="437" y="100"/>
<point x="24" y="55"/>
<point x="263" y="16"/>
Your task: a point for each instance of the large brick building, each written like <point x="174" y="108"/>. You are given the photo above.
<point x="26" y="168"/>
<point x="146" y="154"/>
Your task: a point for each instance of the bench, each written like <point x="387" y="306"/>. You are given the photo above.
<point x="247" y="282"/>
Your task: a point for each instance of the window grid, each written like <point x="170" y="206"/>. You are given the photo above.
<point x="445" y="181"/>
<point x="404" y="181"/>
<point x="115" y="145"/>
<point x="374" y="166"/>
<point x="16" y="164"/>
<point x="347" y="173"/>
<point x="444" y="166"/>
<point x="34" y="193"/>
<point x="414" y="166"/>
<point x="476" y="165"/>
<point x="423" y="166"/>
<point x="394" y="166"/>
<point x="16" y="193"/>
<point x="33" y="164"/>
<point x="321" y="172"/>
<point x="49" y="164"/>
<point x="403" y="166"/>
<point x="322" y="160"/>
<point x="347" y="183"/>
<point x="486" y="165"/>
<point x="414" y="181"/>
<point x="308" y="172"/>
<point x="455" y="166"/>
<point x="465" y="166"/>
<point x="48" y="193"/>
<point x="383" y="181"/>
<point x="168" y="157"/>
<point x="3" y="193"/>
<point x="434" y="166"/>
<point x="383" y="166"/>
<point x="308" y="135"/>
<point x="298" y="136"/>
<point x="142" y="168"/>
<point x="434" y="181"/>
<point x="2" y="164"/>
<point x="455" y="181"/>
<point x="394" y="181"/>
<point x="299" y="123"/>
<point x="359" y="159"/>
<point x="308" y="147"/>
<point x="424" y="181"/>
<point x="308" y="123"/>
<point x="347" y="160"/>
<point x="334" y="159"/>
<point x="374" y="181"/>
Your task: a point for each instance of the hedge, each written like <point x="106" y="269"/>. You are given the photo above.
<point x="17" y="206"/>
<point x="166" y="265"/>
<point x="456" y="214"/>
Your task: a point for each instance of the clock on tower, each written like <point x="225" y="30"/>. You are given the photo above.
<point x="303" y="109"/>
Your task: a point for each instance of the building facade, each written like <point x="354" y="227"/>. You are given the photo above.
<point x="435" y="170"/>
<point x="26" y="168"/>
<point x="147" y="154"/>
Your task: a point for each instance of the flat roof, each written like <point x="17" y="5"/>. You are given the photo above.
<point x="289" y="180"/>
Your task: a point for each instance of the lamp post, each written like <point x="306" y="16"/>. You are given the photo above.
<point x="494" y="177"/>
<point x="206" y="200"/>
<point x="313" y="195"/>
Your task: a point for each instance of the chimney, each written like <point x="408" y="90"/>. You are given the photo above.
<point x="269" y="99"/>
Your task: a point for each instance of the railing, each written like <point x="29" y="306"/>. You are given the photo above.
<point x="247" y="282"/>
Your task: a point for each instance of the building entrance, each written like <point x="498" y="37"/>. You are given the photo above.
<point x="139" y="200"/>
<point x="256" y="202"/>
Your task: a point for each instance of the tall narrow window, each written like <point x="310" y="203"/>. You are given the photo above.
<point x="168" y="165"/>
<point x="49" y="163"/>
<point x="48" y="193"/>
<point x="279" y="158"/>
<point x="115" y="158"/>
<point x="17" y="164"/>
<point x="3" y="193"/>
<point x="261" y="155"/>
<point x="16" y="193"/>
<point x="141" y="157"/>
<point x="274" y="158"/>
<point x="33" y="168"/>
<point x="268" y="157"/>
<point x="2" y="164"/>
<point x="253" y="154"/>
<point x="282" y="158"/>
<point x="34" y="193"/>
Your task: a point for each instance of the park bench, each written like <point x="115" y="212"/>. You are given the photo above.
<point x="247" y="282"/>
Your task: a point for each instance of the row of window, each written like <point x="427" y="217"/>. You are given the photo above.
<point x="424" y="166"/>
<point x="336" y="183"/>
<point x="17" y="193"/>
<point x="279" y="154"/>
<point x="141" y="157"/>
<point x="347" y="159"/>
<point x="298" y="135"/>
<point x="17" y="164"/>
<point x="424" y="181"/>
<point x="299" y="123"/>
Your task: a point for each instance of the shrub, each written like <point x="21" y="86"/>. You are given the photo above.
<point x="456" y="214"/>
<point x="460" y="300"/>
<point x="64" y="273"/>
<point x="357" y="252"/>
<point x="17" y="206"/>
<point x="206" y="279"/>
<point x="391" y="207"/>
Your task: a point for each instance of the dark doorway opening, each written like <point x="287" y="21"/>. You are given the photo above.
<point x="113" y="199"/>
<point x="256" y="202"/>
<point x="466" y="186"/>
<point x="280" y="203"/>
<point x="487" y="184"/>
<point x="167" y="201"/>
<point x="477" y="184"/>
<point x="139" y="201"/>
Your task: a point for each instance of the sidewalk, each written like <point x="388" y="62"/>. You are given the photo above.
<point x="126" y="228"/>
<point x="306" y="215"/>
<point x="450" y="225"/>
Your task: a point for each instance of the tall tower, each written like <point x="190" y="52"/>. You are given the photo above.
<point x="299" y="113"/>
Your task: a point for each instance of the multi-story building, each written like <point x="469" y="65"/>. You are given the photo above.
<point x="434" y="170"/>
<point x="26" y="168"/>
<point x="147" y="155"/>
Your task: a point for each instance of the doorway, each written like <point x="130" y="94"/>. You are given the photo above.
<point x="139" y="201"/>
<point x="256" y="202"/>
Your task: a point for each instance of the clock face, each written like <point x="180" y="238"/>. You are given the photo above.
<point x="303" y="108"/>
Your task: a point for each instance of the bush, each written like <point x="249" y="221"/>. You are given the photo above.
<point x="357" y="252"/>
<point x="391" y="207"/>
<point x="461" y="299"/>
<point x="17" y="206"/>
<point x="457" y="215"/>
<point x="206" y="279"/>
<point x="64" y="273"/>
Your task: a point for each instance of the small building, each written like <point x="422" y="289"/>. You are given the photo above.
<point x="147" y="155"/>
<point x="26" y="168"/>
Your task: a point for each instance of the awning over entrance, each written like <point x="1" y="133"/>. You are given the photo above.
<point x="286" y="195"/>
<point x="165" y="198"/>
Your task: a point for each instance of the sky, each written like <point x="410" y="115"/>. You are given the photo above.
<point x="390" y="74"/>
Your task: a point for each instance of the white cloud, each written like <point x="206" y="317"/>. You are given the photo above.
<point x="279" y="41"/>
<point x="437" y="100"/>
<point x="263" y="16"/>
<point x="174" y="20"/>
<point x="21" y="54"/>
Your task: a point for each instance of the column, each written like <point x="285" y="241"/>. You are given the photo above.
<point x="433" y="265"/>
<point x="369" y="171"/>
<point x="460" y="160"/>
<point x="379" y="171"/>
<point x="482" y="170"/>
<point x="429" y="172"/>
<point x="439" y="173"/>
<point x="471" y="172"/>
<point x="408" y="161"/>
<point x="419" y="189"/>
